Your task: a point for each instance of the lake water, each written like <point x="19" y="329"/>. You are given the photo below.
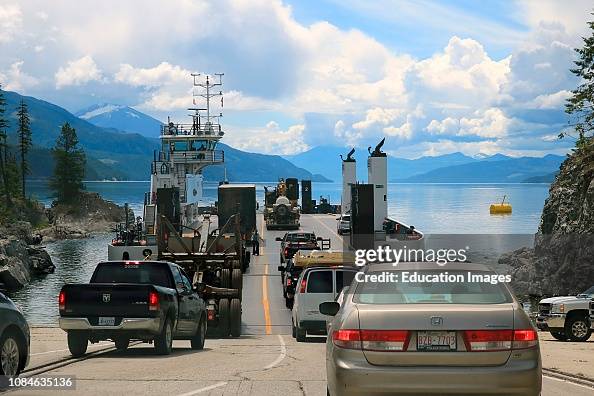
<point x="431" y="208"/>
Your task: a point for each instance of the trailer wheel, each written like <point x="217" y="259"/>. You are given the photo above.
<point x="235" y="315"/>
<point x="237" y="280"/>
<point x="224" y="317"/>
<point x="225" y="278"/>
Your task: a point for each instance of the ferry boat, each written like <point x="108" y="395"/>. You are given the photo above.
<point x="176" y="175"/>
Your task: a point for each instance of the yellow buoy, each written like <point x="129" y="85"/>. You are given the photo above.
<point x="501" y="208"/>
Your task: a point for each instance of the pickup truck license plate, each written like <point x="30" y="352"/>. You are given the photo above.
<point x="436" y="341"/>
<point x="106" y="321"/>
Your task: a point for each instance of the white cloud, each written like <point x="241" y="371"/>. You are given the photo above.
<point x="490" y="123"/>
<point x="77" y="72"/>
<point x="552" y="101"/>
<point x="14" y="79"/>
<point x="11" y="20"/>
<point x="269" y="139"/>
<point x="162" y="74"/>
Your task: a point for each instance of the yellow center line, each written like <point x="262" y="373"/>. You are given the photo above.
<point x="265" y="303"/>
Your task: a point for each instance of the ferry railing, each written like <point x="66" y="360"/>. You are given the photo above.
<point x="201" y="156"/>
<point x="201" y="130"/>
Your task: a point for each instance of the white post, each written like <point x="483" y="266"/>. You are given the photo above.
<point x="377" y="173"/>
<point x="349" y="177"/>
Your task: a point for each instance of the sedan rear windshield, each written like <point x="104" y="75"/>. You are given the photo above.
<point x="143" y="273"/>
<point x="433" y="292"/>
<point x="302" y="237"/>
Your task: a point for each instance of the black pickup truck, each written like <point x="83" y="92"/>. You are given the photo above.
<point x="150" y="301"/>
<point x="294" y="241"/>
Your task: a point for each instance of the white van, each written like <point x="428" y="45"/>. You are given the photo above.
<point x="316" y="285"/>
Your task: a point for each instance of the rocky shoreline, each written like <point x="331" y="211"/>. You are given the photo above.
<point x="21" y="255"/>
<point x="562" y="260"/>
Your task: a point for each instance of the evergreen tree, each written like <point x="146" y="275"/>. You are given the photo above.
<point x="25" y="140"/>
<point x="581" y="104"/>
<point x="70" y="166"/>
<point x="3" y="150"/>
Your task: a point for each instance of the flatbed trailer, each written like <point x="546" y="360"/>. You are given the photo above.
<point x="214" y="261"/>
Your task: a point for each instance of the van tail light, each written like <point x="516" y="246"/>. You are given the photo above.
<point x="153" y="301"/>
<point x="62" y="300"/>
<point x="289" y="281"/>
<point x="499" y="340"/>
<point x="303" y="285"/>
<point x="372" y="340"/>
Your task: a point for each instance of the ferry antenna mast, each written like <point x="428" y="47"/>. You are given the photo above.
<point x="207" y="86"/>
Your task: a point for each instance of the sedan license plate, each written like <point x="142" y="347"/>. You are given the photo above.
<point x="106" y="321"/>
<point x="432" y="341"/>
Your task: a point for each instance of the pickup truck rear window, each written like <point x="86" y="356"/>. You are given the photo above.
<point x="142" y="273"/>
<point x="301" y="237"/>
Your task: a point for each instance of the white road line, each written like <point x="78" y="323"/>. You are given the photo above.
<point x="205" y="389"/>
<point x="66" y="350"/>
<point x="566" y="381"/>
<point x="283" y="353"/>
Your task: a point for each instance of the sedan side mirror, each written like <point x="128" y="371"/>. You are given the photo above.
<point x="279" y="239"/>
<point x="329" y="308"/>
<point x="281" y="268"/>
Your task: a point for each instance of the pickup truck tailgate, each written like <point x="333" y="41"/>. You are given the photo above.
<point x="107" y="299"/>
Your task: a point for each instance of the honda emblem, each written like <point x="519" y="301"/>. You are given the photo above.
<point x="436" y="320"/>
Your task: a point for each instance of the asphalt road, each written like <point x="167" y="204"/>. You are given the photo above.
<point x="265" y="360"/>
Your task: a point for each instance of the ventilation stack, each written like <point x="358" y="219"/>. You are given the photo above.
<point x="377" y="174"/>
<point x="349" y="178"/>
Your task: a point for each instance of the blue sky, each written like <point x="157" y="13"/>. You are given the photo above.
<point x="433" y="77"/>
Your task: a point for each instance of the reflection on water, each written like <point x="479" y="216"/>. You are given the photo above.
<point x="432" y="208"/>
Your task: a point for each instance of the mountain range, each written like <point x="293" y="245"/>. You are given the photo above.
<point x="123" y="118"/>
<point x="447" y="168"/>
<point x="113" y="153"/>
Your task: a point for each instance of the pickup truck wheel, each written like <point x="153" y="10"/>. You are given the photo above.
<point x="235" y="316"/>
<point x="122" y="344"/>
<point x="559" y="335"/>
<point x="77" y="343"/>
<point x="224" y="317"/>
<point x="225" y="278"/>
<point x="237" y="280"/>
<point x="197" y="341"/>
<point x="577" y="328"/>
<point x="289" y="303"/>
<point x="300" y="334"/>
<point x="164" y="341"/>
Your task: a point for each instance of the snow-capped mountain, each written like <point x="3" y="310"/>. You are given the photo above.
<point x="124" y="118"/>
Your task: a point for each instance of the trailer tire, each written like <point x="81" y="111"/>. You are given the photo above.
<point x="235" y="316"/>
<point x="237" y="280"/>
<point x="225" y="278"/>
<point x="77" y="343"/>
<point x="224" y="317"/>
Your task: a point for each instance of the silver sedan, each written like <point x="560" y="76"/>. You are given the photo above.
<point x="421" y="329"/>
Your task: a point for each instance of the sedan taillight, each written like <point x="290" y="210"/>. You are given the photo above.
<point x="62" y="301"/>
<point x="372" y="340"/>
<point x="499" y="340"/>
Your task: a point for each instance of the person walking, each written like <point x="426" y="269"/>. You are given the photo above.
<point x="255" y="243"/>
